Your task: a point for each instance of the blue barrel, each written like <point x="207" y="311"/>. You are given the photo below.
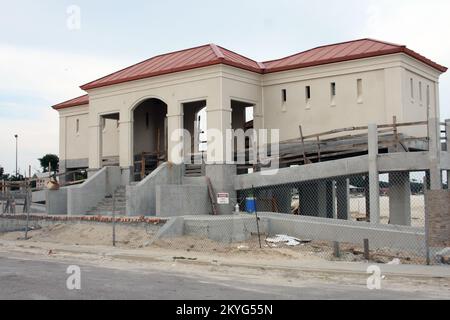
<point x="250" y="205"/>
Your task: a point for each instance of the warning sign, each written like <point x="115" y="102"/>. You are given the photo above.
<point x="223" y="198"/>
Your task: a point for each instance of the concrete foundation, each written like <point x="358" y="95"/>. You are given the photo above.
<point x="237" y="228"/>
<point x="222" y="179"/>
<point x="224" y="229"/>
<point x="182" y="200"/>
<point x="400" y="198"/>
<point x="380" y="236"/>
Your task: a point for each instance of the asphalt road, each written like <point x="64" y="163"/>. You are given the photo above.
<point x="21" y="278"/>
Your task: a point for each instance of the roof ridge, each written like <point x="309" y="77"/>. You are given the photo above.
<point x="216" y="49"/>
<point x="330" y="45"/>
<point x="79" y="97"/>
<point x="71" y="102"/>
<point x="385" y="42"/>
<point x="215" y="54"/>
<point x="143" y="61"/>
<point x="239" y="54"/>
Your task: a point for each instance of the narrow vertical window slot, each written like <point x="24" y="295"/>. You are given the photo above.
<point x="308" y="97"/>
<point x="333" y="93"/>
<point x="359" y="89"/>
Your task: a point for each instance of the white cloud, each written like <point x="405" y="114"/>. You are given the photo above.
<point x="42" y="78"/>
<point x="36" y="137"/>
<point x="51" y="75"/>
<point x="421" y="25"/>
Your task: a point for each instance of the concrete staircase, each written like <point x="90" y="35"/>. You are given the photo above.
<point x="105" y="207"/>
<point x="193" y="170"/>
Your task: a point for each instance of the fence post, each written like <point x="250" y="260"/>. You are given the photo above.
<point x="366" y="249"/>
<point x="447" y="137"/>
<point x="336" y="249"/>
<point x="434" y="150"/>
<point x="28" y="207"/>
<point x="374" y="179"/>
<point x="427" y="230"/>
<point x="114" y="219"/>
<point x="257" y="218"/>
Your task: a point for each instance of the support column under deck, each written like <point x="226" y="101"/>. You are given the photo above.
<point x="343" y="198"/>
<point x="399" y="199"/>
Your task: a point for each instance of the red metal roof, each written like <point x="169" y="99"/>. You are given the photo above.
<point x="183" y="60"/>
<point x="72" y="103"/>
<point x="345" y="51"/>
<point x="211" y="54"/>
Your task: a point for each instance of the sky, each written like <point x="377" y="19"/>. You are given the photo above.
<point x="45" y="57"/>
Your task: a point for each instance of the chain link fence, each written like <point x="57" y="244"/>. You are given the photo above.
<point x="328" y="219"/>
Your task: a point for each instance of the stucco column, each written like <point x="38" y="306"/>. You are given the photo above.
<point x="219" y="120"/>
<point x="258" y="117"/>
<point x="175" y="138"/>
<point x="447" y="129"/>
<point x="62" y="148"/>
<point x="95" y="145"/>
<point x="126" y="157"/>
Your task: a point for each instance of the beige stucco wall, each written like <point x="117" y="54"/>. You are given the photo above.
<point x="173" y="89"/>
<point x="74" y="145"/>
<point x="321" y="113"/>
<point x="418" y="107"/>
<point x="386" y="92"/>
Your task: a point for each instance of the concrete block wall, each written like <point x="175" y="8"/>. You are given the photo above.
<point x="380" y="236"/>
<point x="438" y="211"/>
<point x="182" y="200"/>
<point x="56" y="201"/>
<point x="141" y="198"/>
<point x="224" y="229"/>
<point x="82" y="198"/>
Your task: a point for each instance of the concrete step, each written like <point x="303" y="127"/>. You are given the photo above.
<point x="106" y="213"/>
<point x="105" y="206"/>
<point x="118" y="200"/>
<point x="109" y="209"/>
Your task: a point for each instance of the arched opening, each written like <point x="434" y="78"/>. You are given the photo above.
<point x="150" y="137"/>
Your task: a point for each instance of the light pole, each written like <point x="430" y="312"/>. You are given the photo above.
<point x="17" y="138"/>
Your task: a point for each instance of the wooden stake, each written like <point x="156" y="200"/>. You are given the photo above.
<point x="318" y="145"/>
<point x="366" y="249"/>
<point x="142" y="166"/>
<point x="394" y="121"/>
<point x="305" y="160"/>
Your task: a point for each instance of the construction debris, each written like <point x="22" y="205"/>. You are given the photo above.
<point x="287" y="240"/>
<point x="395" y="262"/>
<point x="443" y="256"/>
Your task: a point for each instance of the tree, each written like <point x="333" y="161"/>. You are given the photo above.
<point x="51" y="159"/>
